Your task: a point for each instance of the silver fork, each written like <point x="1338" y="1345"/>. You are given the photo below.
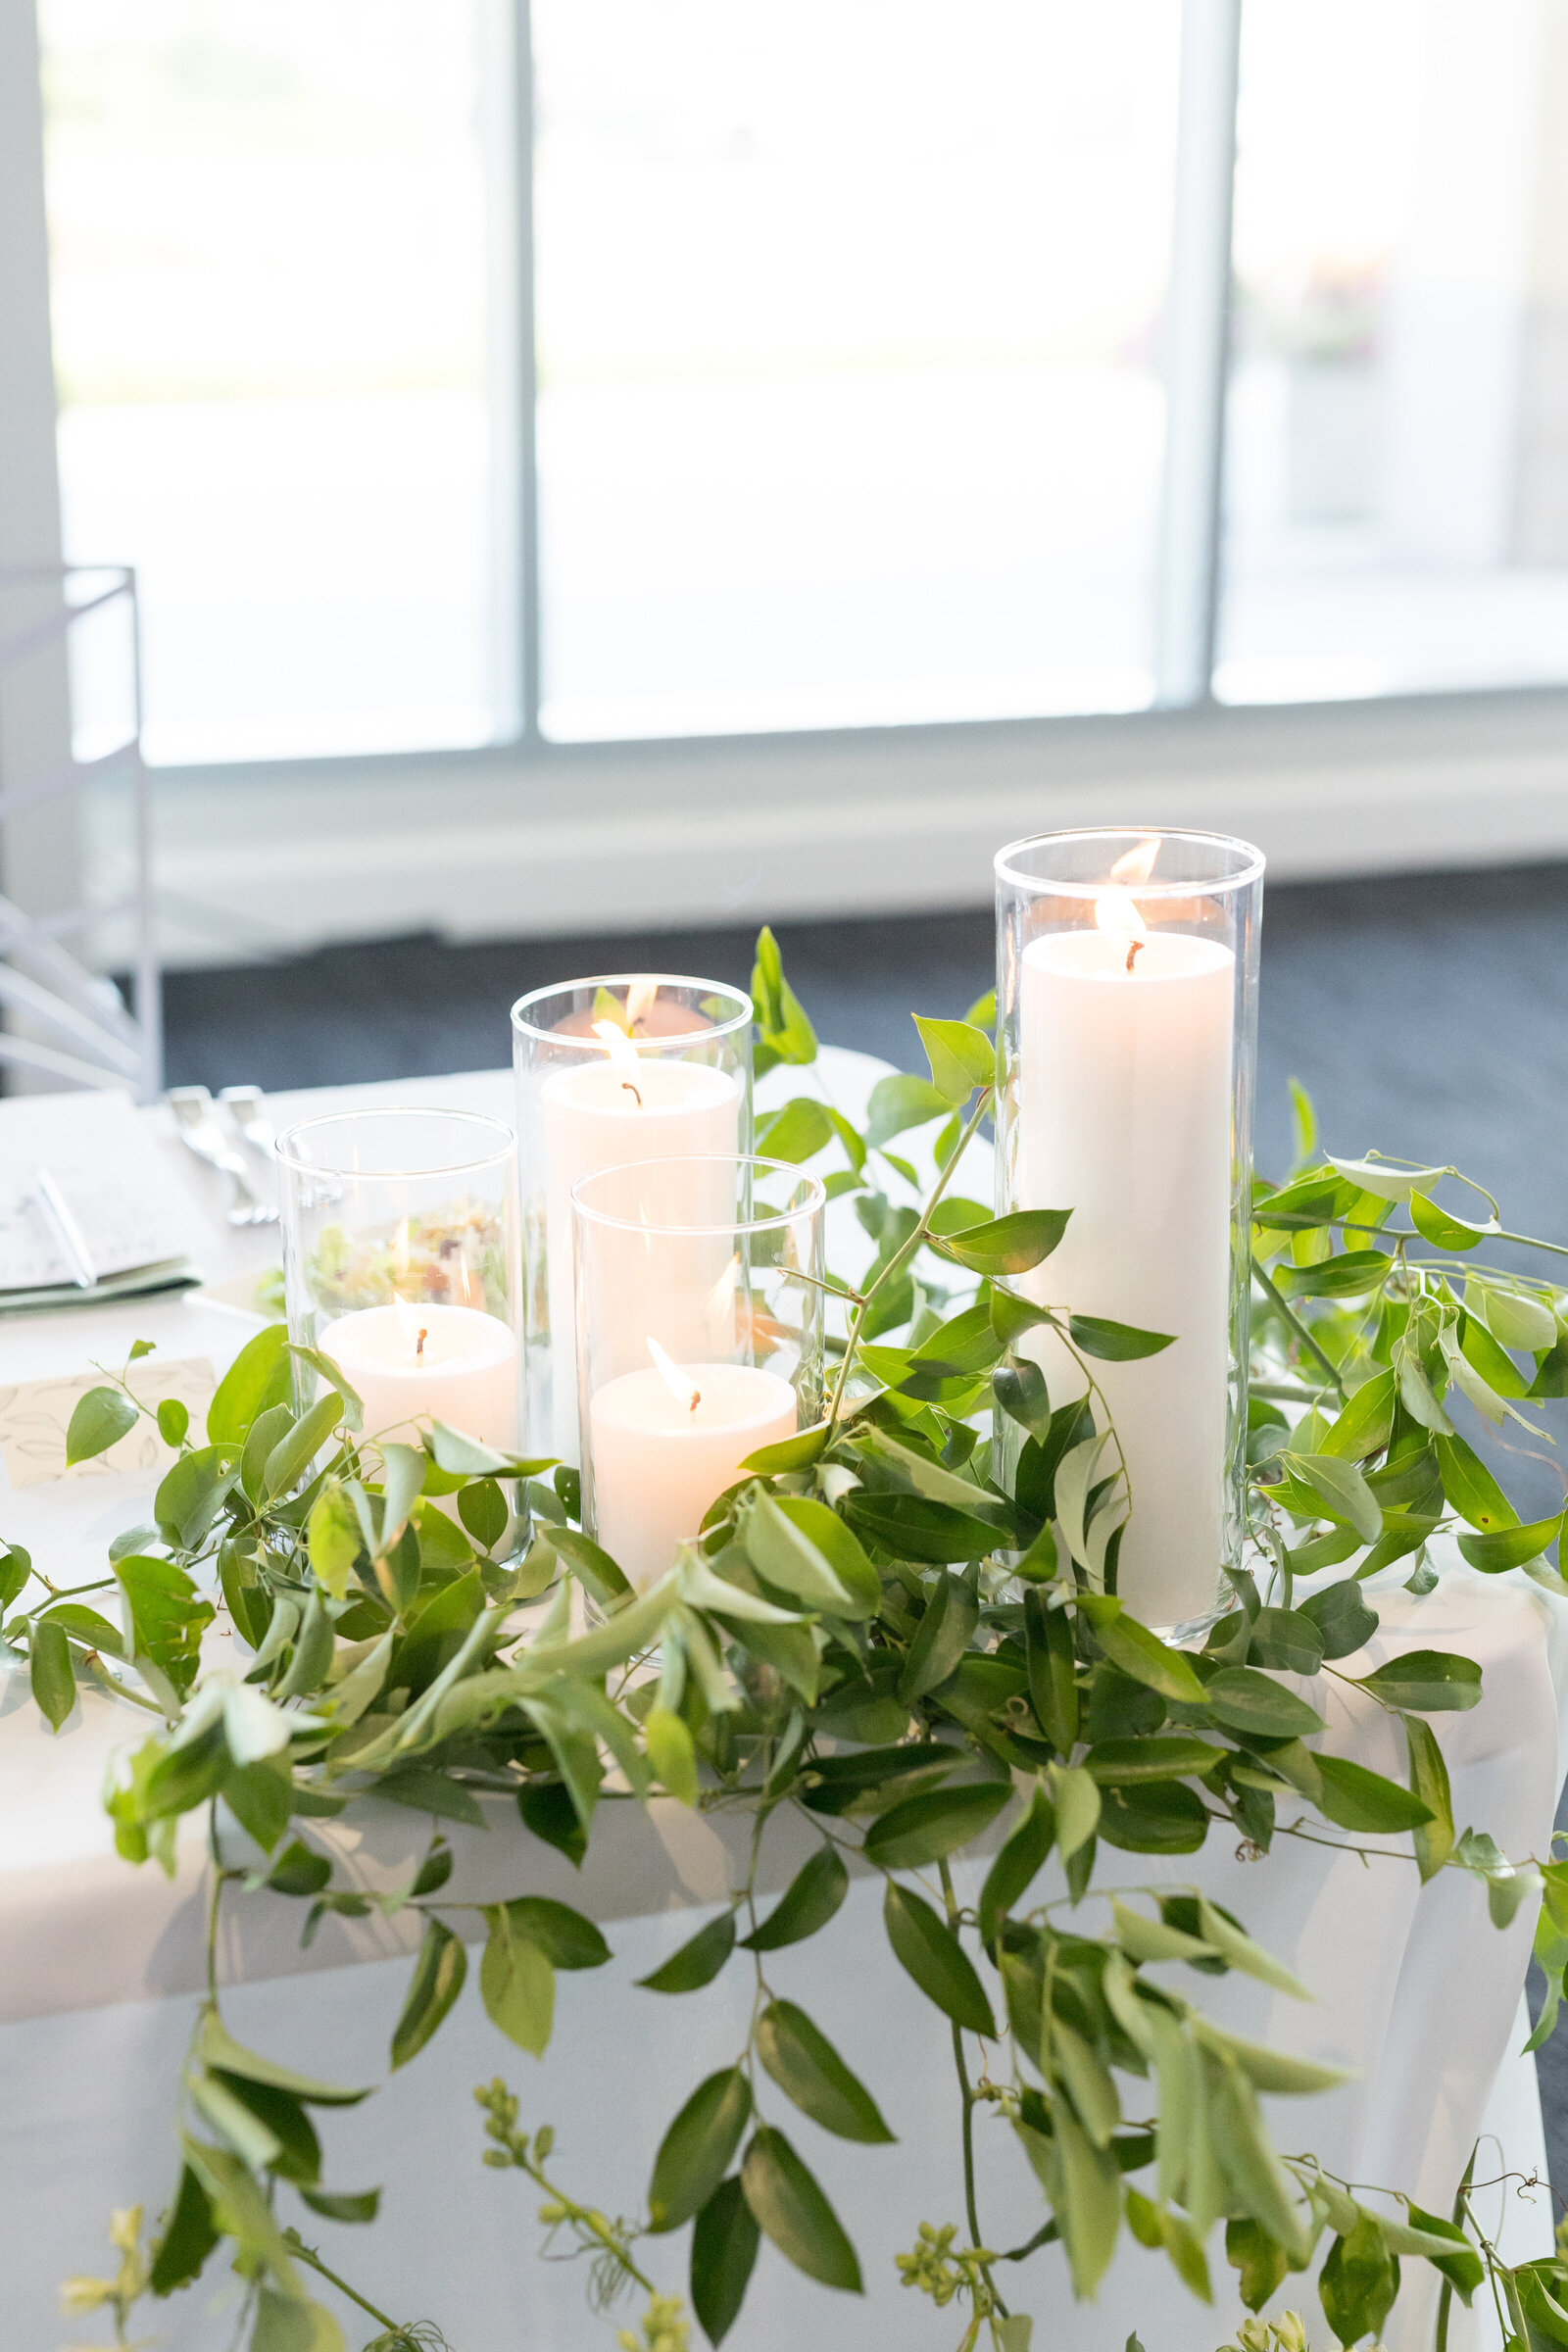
<point x="243" y="1105"/>
<point x="199" y="1129"/>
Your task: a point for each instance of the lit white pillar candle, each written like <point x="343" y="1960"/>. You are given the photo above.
<point x="1125" y="1118"/>
<point x="449" y="1363"/>
<point x="601" y="1115"/>
<point x="664" y="1443"/>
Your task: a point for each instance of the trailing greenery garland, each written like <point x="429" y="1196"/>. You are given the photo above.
<point x="916" y="1661"/>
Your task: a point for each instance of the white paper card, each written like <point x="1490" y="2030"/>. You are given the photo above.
<point x="106" y="1166"/>
<point x="35" y="1414"/>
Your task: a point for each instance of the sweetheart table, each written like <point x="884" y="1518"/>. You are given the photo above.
<point x="100" y="1966"/>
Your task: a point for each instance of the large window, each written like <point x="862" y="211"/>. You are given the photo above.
<point x="848" y="329"/>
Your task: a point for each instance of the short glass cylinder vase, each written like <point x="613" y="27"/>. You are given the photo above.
<point x="698" y="1294"/>
<point x="1127" y="1022"/>
<point x="399" y="1262"/>
<point x="626" y="1066"/>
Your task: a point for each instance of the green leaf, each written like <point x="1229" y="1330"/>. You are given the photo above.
<point x="787" y="2203"/>
<point x="517" y="1982"/>
<point x="437" y="1980"/>
<point x="1053" y="1670"/>
<point x="1115" y="1343"/>
<point x="1463" y="2267"/>
<point x="671" y="1752"/>
<point x="260" y="1376"/>
<point x="1245" y="1700"/>
<point x="333" y="1539"/>
<point x="191" y="1494"/>
<point x="839" y="1547"/>
<point x="1351" y="1275"/>
<point x="1010" y="1245"/>
<point x="86" y="1626"/>
<point x="15" y="1567"/>
<point x="1342" y="1487"/>
<point x="592" y="1564"/>
<point x="1286" y="1641"/>
<point x="1019" y="1387"/>
<point x="1513" y="1547"/>
<point x="790" y="1453"/>
<point x="224" y="2055"/>
<point x="785" y="1552"/>
<point x="899" y="1102"/>
<point x="548" y="1811"/>
<point x="482" y="1508"/>
<point x="1153" y="1816"/>
<point x="795" y="1132"/>
<point x="327" y="1369"/>
<point x="1016" y="1865"/>
<point x="1515" y="1318"/>
<point x="52" y="1675"/>
<point x="1379" y="1176"/>
<point x="723" y="2250"/>
<point x="1429" y="1783"/>
<point x="293" y="1455"/>
<point x="808" y="2069"/>
<point x="1090" y="2213"/>
<point x="1342" y="1618"/>
<point x="1360" y="1799"/>
<point x="1471" y="1488"/>
<point x="694" y="2154"/>
<point x="1078" y="1806"/>
<point x="927" y="1949"/>
<point x="173" y="1420"/>
<point x="697" y="1961"/>
<point x="1429" y="1682"/>
<point x="1260" y="2262"/>
<point x="98" y="1421"/>
<point x="1218" y="1928"/>
<point x="361" y="2205"/>
<point x="1363" y="1427"/>
<point x="1161" y="1758"/>
<point x="807" y="1903"/>
<point x="940" y="1637"/>
<point x="914" y="1527"/>
<point x="1139" y="1653"/>
<point x="188" y="2238"/>
<point x="1442" y="1229"/>
<point x="961" y="1057"/>
<point x="925" y="1828"/>
<point x="297" y="1871"/>
<point x="1358" y="2282"/>
<point x="566" y="1939"/>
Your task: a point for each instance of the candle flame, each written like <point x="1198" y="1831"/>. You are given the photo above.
<point x="680" y="1384"/>
<point x="408" y="1323"/>
<point x="1118" y="917"/>
<point x="622" y="1055"/>
<point x="1134" y="866"/>
<point x="640" y="998"/>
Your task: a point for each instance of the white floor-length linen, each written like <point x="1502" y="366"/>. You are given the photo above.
<point x="100" y="1967"/>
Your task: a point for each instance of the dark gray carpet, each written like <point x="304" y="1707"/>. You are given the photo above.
<point x="1426" y="1015"/>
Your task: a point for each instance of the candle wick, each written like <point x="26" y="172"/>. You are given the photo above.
<point x="628" y="1088"/>
<point x="1132" y="952"/>
<point x="418" y="1347"/>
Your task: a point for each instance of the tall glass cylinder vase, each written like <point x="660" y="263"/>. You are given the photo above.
<point x="699" y="1338"/>
<point x="1127" y="1009"/>
<point x="399" y="1262"/>
<point x="623" y="1067"/>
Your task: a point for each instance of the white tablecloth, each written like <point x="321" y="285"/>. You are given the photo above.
<point x="99" y="1965"/>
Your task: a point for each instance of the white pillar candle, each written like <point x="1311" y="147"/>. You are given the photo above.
<point x="463" y="1371"/>
<point x="658" y="1461"/>
<point x="601" y="1115"/>
<point x="1125" y="1118"/>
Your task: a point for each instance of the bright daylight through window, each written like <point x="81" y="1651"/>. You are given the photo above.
<point x="850" y="324"/>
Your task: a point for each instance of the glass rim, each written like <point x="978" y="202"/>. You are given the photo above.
<point x="772" y="1221"/>
<point x="740" y="1019"/>
<point x="1248" y="866"/>
<point x="505" y="1145"/>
